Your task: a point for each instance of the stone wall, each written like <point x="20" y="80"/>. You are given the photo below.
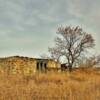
<point x="27" y="65"/>
<point x="53" y="64"/>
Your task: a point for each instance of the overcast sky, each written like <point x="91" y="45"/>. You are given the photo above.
<point x="28" y="27"/>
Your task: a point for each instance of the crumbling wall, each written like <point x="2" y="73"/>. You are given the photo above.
<point x="53" y="64"/>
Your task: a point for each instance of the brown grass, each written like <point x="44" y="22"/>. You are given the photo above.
<point x="78" y="85"/>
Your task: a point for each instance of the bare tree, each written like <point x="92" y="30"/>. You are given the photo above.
<point x="90" y="62"/>
<point x="71" y="43"/>
<point x="93" y="61"/>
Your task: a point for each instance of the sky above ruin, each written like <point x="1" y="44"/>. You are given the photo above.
<point x="28" y="27"/>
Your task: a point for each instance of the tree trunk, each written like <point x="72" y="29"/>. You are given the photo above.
<point x="70" y="68"/>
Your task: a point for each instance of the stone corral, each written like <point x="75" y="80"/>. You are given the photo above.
<point x="26" y="65"/>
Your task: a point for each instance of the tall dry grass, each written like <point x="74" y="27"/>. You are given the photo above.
<point x="78" y="85"/>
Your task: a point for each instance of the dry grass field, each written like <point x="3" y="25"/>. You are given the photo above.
<point x="81" y="84"/>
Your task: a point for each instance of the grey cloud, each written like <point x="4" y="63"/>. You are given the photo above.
<point x="30" y="21"/>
